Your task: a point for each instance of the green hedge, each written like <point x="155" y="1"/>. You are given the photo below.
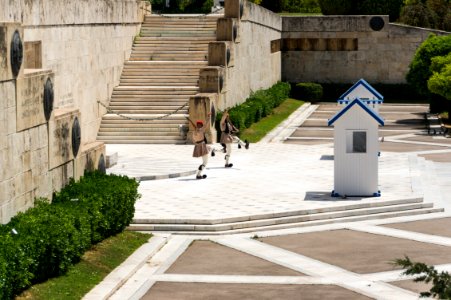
<point x="307" y="91"/>
<point x="52" y="237"/>
<point x="258" y="105"/>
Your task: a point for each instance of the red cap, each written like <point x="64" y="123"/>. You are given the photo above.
<point x="199" y="122"/>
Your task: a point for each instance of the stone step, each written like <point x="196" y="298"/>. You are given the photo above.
<point x="146" y="105"/>
<point x="156" y="129"/>
<point x="302" y="219"/>
<point x="177" y="28"/>
<point x="159" y="78"/>
<point x="167" y="57"/>
<point x="146" y="109"/>
<point x="300" y="212"/>
<point x="139" y="105"/>
<point x="146" y="118"/>
<point x="165" y="64"/>
<point x="150" y="82"/>
<point x="139" y="48"/>
<point x="151" y="94"/>
<point x="149" y="89"/>
<point x="179" y="39"/>
<point x="192" y="75"/>
<point x="193" y="72"/>
<point x="136" y="134"/>
<point x="170" y="51"/>
<point x="144" y="141"/>
<point x="180" y="33"/>
<point x="150" y="97"/>
<point x="196" y="231"/>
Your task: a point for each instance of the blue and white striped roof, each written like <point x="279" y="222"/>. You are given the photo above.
<point x="350" y="94"/>
<point x="360" y="103"/>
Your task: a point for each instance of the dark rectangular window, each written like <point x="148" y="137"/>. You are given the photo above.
<point x="359" y="142"/>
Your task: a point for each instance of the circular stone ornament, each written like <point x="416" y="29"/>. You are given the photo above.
<point x="101" y="167"/>
<point x="48" y="98"/>
<point x="377" y="23"/>
<point x="76" y="136"/>
<point x="16" y="53"/>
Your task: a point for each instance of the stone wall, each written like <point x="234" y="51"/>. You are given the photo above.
<point x="82" y="46"/>
<point x="343" y="49"/>
<point x="251" y="66"/>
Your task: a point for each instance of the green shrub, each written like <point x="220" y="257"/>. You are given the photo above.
<point x="14" y="267"/>
<point x="257" y="106"/>
<point x="419" y="69"/>
<point x="440" y="81"/>
<point x="52" y="237"/>
<point x="308" y="91"/>
<point x="109" y="199"/>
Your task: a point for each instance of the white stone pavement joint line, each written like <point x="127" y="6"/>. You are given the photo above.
<point x="241" y="279"/>
<point x="404" y="219"/>
<point x="306" y="265"/>
<point x="402" y="234"/>
<point x="121" y="274"/>
<point x="167" y="176"/>
<point x="141" y="281"/>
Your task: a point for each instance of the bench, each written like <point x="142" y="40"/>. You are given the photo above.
<point x="446" y="128"/>
<point x="433" y="123"/>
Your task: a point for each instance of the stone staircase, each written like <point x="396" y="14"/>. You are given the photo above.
<point x="289" y="219"/>
<point x="159" y="78"/>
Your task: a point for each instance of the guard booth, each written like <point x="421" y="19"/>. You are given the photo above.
<point x="356" y="150"/>
<point x="365" y="92"/>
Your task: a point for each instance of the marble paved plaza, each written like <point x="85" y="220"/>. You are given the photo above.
<point x="334" y="261"/>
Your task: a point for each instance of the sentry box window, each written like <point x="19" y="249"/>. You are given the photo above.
<point x="355" y="141"/>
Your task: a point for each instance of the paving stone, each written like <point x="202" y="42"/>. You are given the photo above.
<point x="417" y="287"/>
<point x="441" y="227"/>
<point x="205" y="257"/>
<point x="358" y="251"/>
<point x="198" y="291"/>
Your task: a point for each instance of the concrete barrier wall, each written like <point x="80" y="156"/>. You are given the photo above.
<point x="348" y="49"/>
<point x="82" y="46"/>
<point x="254" y="67"/>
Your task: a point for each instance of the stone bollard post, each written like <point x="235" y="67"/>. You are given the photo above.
<point x="199" y="106"/>
<point x="233" y="8"/>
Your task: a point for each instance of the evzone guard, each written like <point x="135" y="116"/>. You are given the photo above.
<point x="200" y="146"/>
<point x="228" y="131"/>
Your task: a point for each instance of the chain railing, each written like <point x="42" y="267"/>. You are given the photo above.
<point x="110" y="111"/>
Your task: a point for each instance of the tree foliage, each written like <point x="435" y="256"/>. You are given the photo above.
<point x="419" y="69"/>
<point x="440" y="81"/>
<point x="364" y="7"/>
<point x="441" y="281"/>
<point x="427" y="13"/>
<point x="292" y="6"/>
